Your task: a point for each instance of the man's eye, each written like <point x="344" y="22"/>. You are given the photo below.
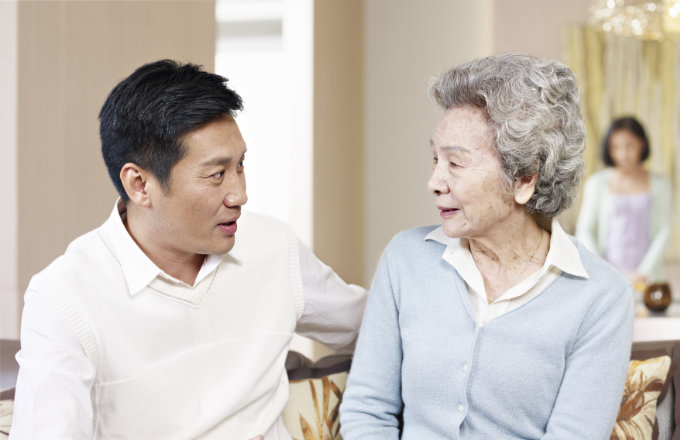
<point x="218" y="175"/>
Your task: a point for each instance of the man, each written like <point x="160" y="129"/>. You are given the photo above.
<point x="161" y="324"/>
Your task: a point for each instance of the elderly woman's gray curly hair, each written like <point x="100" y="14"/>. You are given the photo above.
<point x="534" y="117"/>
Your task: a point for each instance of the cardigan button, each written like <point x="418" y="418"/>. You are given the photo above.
<point x="465" y="368"/>
<point x="461" y="408"/>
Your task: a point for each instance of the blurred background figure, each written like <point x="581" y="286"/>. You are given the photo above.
<point x="625" y="215"/>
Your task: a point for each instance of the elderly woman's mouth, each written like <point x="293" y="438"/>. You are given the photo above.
<point x="446" y="212"/>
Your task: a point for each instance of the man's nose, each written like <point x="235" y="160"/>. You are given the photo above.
<point x="237" y="195"/>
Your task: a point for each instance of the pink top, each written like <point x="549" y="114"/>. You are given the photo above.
<point x="628" y="229"/>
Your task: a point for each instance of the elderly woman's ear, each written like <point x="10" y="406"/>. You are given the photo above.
<point x="524" y="188"/>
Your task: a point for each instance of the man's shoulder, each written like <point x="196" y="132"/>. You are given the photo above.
<point x="84" y="255"/>
<point x="260" y="235"/>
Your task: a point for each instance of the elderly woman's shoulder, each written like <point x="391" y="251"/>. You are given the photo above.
<point x="411" y="238"/>
<point x="600" y="271"/>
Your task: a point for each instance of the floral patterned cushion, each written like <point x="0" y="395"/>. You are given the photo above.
<point x="6" y="408"/>
<point x="637" y="415"/>
<point x="312" y="411"/>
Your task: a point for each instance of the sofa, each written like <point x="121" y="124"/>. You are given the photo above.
<point x="650" y="407"/>
<point x="8" y="377"/>
<point x="652" y="393"/>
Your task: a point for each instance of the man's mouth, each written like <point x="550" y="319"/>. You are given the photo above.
<point x="228" y="227"/>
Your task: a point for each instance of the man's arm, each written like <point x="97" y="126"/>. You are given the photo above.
<point x="55" y="377"/>
<point x="333" y="309"/>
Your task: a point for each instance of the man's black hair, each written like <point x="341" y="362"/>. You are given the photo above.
<point x="146" y="115"/>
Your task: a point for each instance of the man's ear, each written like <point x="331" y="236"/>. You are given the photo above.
<point x="136" y="183"/>
<point x="524" y="188"/>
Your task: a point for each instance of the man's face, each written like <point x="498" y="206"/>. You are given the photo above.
<point x="197" y="213"/>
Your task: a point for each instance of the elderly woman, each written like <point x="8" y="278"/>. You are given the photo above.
<point x="496" y="324"/>
<point x="626" y="210"/>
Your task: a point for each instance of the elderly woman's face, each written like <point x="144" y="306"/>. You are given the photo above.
<point x="466" y="175"/>
<point x="625" y="149"/>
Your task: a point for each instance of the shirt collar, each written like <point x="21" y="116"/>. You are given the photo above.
<point x="137" y="267"/>
<point x="565" y="255"/>
<point x="562" y="254"/>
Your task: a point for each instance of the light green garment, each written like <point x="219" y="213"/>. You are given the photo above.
<point x="591" y="228"/>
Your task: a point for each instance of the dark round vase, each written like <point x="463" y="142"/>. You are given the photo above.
<point x="658" y="297"/>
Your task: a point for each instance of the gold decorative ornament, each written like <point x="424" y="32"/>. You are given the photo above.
<point x="644" y="19"/>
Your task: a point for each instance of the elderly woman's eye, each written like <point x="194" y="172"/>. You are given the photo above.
<point x="453" y="164"/>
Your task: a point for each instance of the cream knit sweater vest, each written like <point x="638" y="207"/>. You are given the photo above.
<point x="181" y="362"/>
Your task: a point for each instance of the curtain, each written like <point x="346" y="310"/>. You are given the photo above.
<point x="620" y="75"/>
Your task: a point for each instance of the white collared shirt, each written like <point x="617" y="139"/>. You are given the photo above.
<point x="562" y="257"/>
<point x="138" y="269"/>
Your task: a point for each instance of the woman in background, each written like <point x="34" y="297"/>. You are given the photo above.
<point x="625" y="215"/>
<point x="495" y="324"/>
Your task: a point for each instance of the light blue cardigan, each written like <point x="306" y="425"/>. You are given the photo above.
<point x="591" y="228"/>
<point x="554" y="368"/>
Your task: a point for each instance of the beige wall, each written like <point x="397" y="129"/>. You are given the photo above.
<point x="338" y="136"/>
<point x="406" y="43"/>
<point x="535" y="26"/>
<point x="373" y="60"/>
<point x="70" y="55"/>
